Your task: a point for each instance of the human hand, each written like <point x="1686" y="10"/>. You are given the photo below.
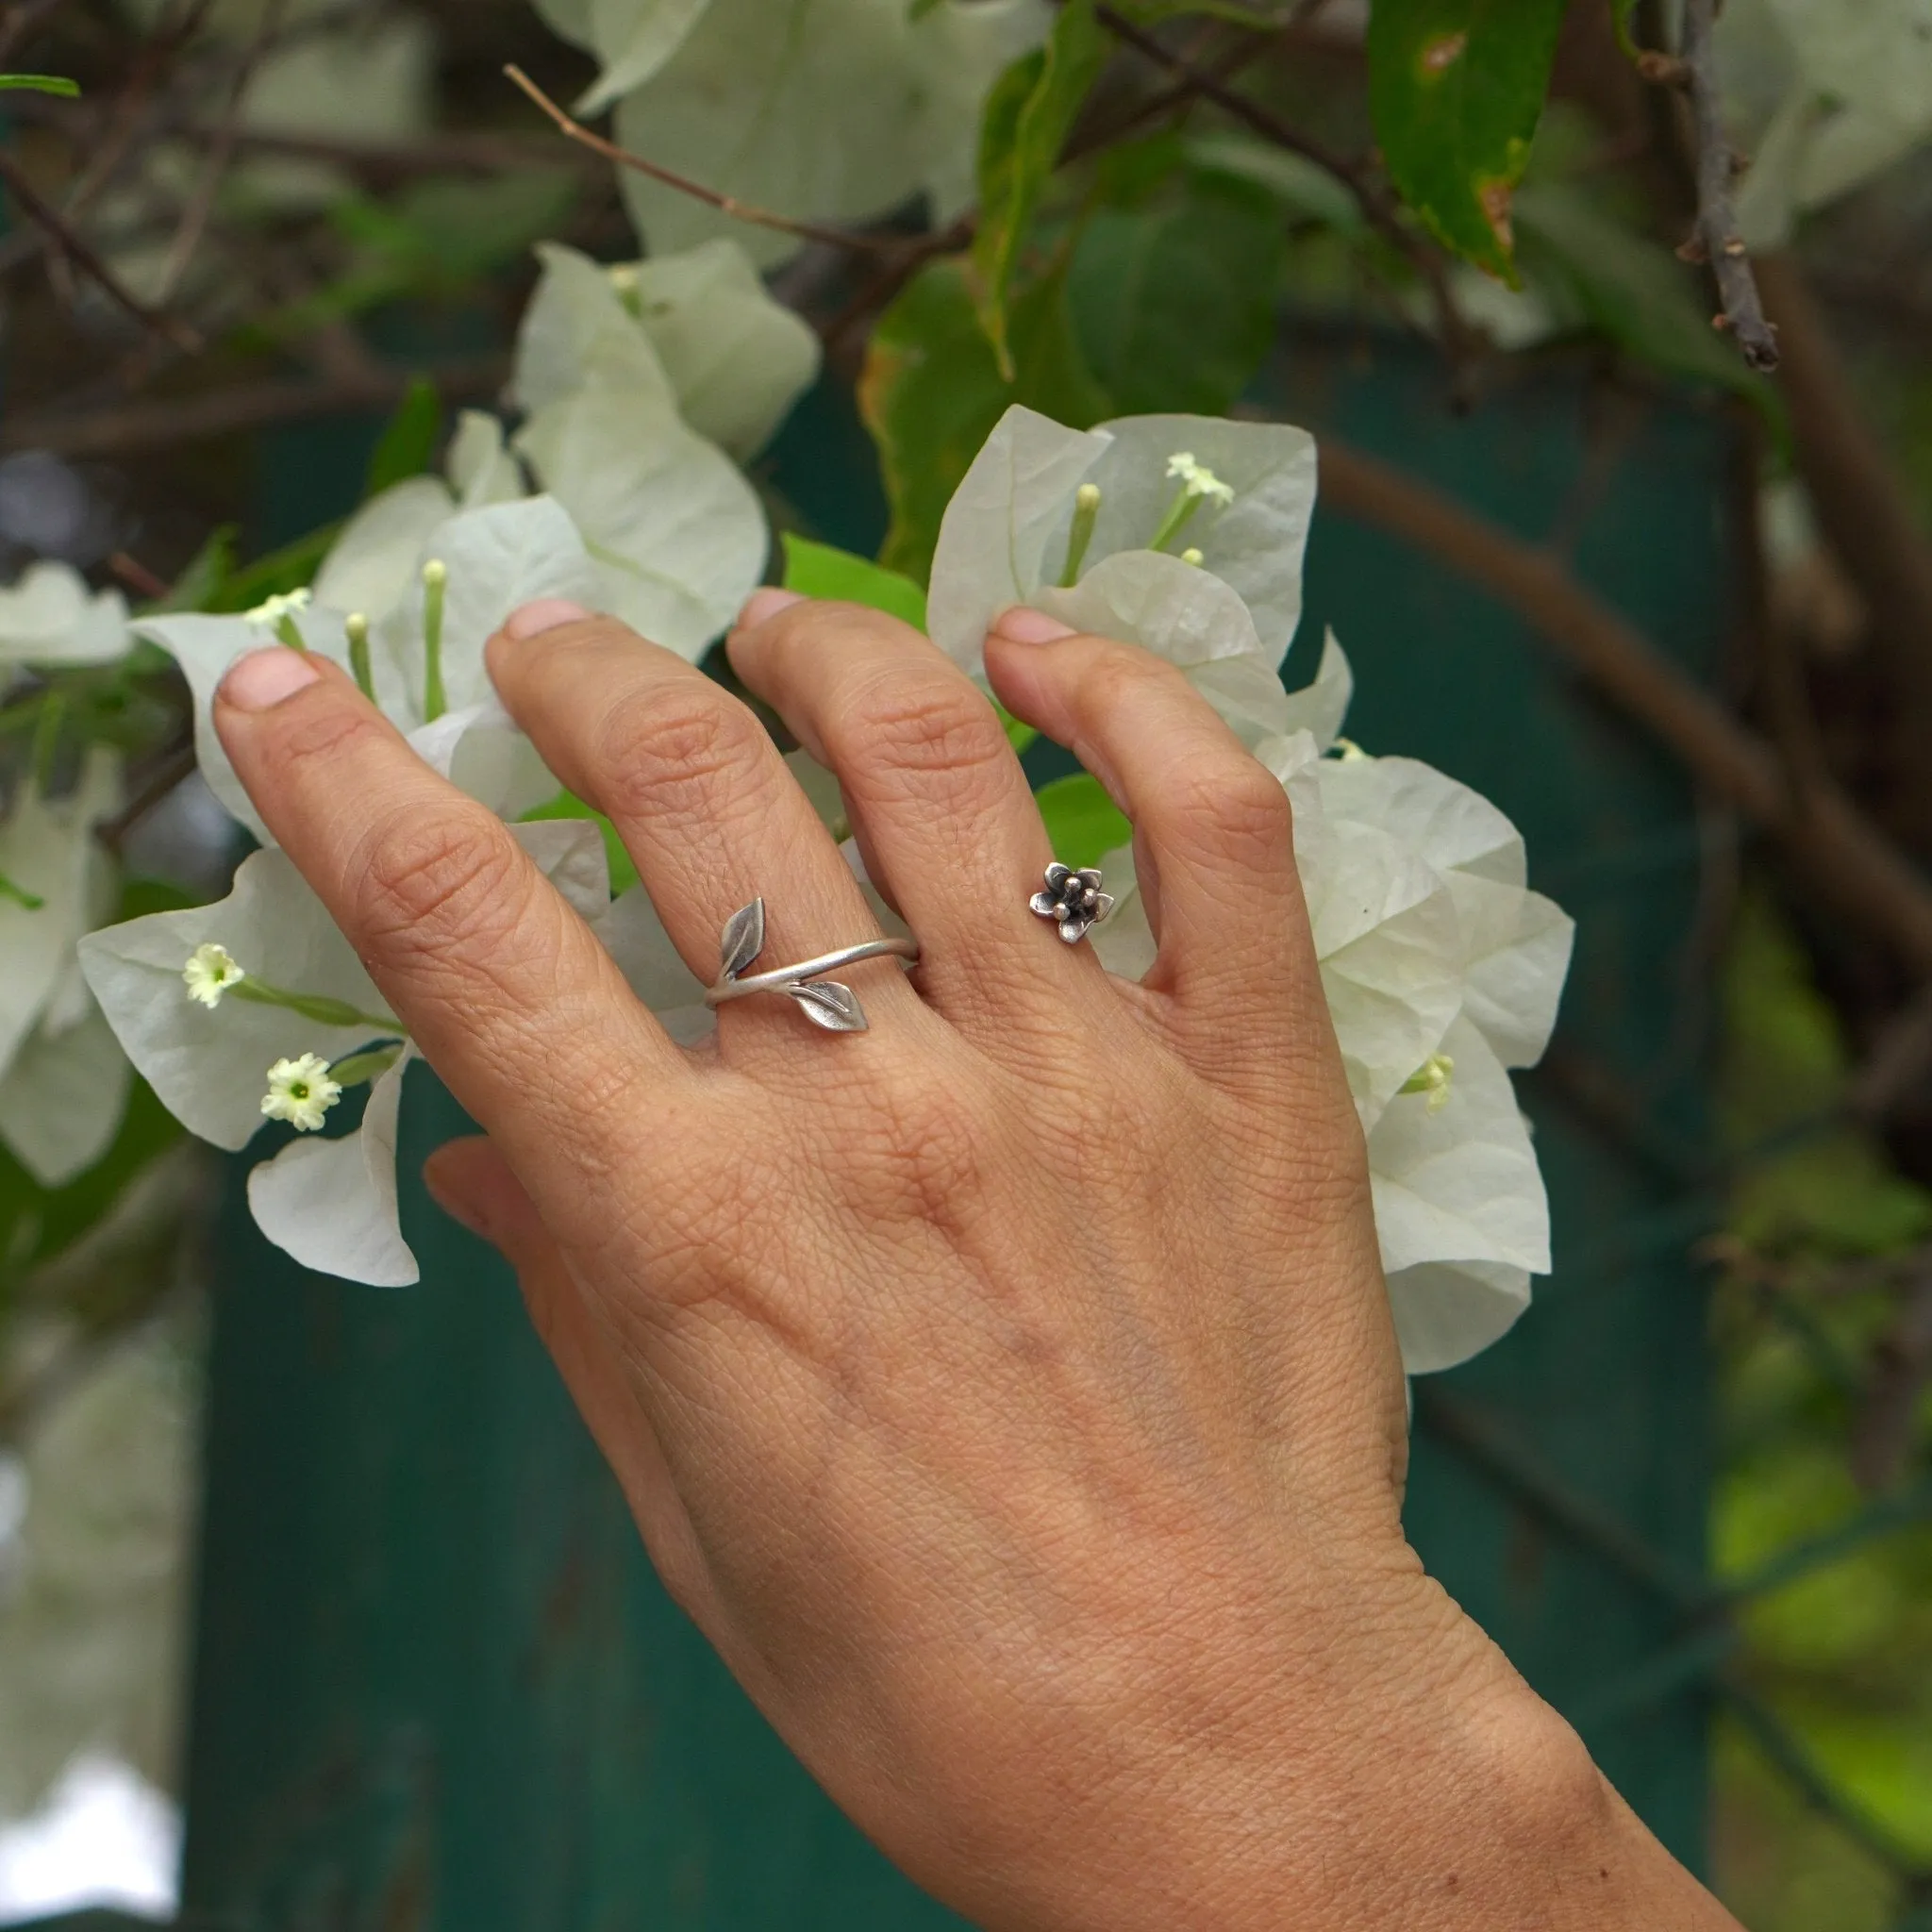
<point x="1008" y="1391"/>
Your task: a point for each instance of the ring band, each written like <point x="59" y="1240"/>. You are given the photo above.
<point x="824" y="1002"/>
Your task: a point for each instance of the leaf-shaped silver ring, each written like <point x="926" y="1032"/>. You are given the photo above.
<point x="822" y="1001"/>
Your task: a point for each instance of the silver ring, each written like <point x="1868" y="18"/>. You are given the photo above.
<point x="1073" y="900"/>
<point x="824" y="1002"/>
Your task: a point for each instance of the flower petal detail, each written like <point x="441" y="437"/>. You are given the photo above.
<point x="332" y="1204"/>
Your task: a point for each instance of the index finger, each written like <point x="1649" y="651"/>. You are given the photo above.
<point x="502" y="985"/>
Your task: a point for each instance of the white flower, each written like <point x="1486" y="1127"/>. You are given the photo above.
<point x="301" y="1093"/>
<point x="274" y="610"/>
<point x="699" y="326"/>
<point x="330" y="1203"/>
<point x="209" y="973"/>
<point x="1823" y="96"/>
<point x="677" y="532"/>
<point x="1197" y="479"/>
<point x="1019" y="528"/>
<point x="839" y="110"/>
<point x="497" y="556"/>
<point x="1442" y="970"/>
<point x="50" y="618"/>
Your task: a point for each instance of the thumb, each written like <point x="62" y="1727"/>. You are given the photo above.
<point x="475" y="1187"/>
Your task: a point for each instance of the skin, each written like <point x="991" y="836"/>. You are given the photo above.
<point x="1008" y="1392"/>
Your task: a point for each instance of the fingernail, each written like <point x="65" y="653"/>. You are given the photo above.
<point x="266" y="676"/>
<point x="766" y="603"/>
<point x="546" y="613"/>
<point x="1025" y="627"/>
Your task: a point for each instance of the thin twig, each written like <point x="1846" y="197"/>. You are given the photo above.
<point x="1846" y="858"/>
<point x="1901" y="1368"/>
<point x="201" y="203"/>
<point x="123" y="427"/>
<point x="173" y="770"/>
<point x="1458" y="338"/>
<point x="726" y="204"/>
<point x="20" y="21"/>
<point x="1717" y="236"/>
<point x="135" y="575"/>
<point x="62" y="236"/>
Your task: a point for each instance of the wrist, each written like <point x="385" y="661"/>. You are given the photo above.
<point x="1407" y="1777"/>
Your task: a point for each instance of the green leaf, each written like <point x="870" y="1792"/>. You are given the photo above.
<point x="290" y="568"/>
<point x="365" y="1069"/>
<point x="38" y="1222"/>
<point x="1175" y="303"/>
<point x="1029" y="115"/>
<point x="1622" y="12"/>
<point x="1628" y="288"/>
<point x="409" y="442"/>
<point x="1456" y="89"/>
<point x="931" y="392"/>
<point x="1082" y="823"/>
<point x="30" y="902"/>
<point x="208" y="571"/>
<point x="567" y="805"/>
<point x="817" y="570"/>
<point x="43" y="84"/>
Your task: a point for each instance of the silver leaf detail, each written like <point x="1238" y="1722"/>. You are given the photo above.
<point x="745" y="938"/>
<point x="831" y="1006"/>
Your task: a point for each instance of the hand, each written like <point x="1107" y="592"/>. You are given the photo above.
<point x="1008" y="1391"/>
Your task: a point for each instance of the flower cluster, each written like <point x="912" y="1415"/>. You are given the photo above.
<point x="1442" y="969"/>
<point x="640" y="389"/>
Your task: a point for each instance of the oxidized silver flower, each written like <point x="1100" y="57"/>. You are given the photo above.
<point x="1073" y="900"/>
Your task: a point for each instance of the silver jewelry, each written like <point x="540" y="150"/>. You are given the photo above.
<point x="1073" y="900"/>
<point x="824" y="1002"/>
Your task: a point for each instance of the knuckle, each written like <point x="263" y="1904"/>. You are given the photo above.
<point x="924" y="1156"/>
<point x="439" y="881"/>
<point x="1114" y="672"/>
<point x="305" y="736"/>
<point x="894" y="727"/>
<point x="1237" y="810"/>
<point x="678" y="754"/>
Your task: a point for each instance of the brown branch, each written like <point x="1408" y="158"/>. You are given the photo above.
<point x="1901" y="1368"/>
<point x="1844" y="856"/>
<point x="1458" y="338"/>
<point x="128" y="426"/>
<point x="443" y="153"/>
<point x="726" y="204"/>
<point x="201" y="203"/>
<point x="173" y="770"/>
<point x="65" y="238"/>
<point x="1863" y="508"/>
<point x="1717" y="236"/>
<point x="20" y="21"/>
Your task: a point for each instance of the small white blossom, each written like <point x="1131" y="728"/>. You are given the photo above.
<point x="1198" y="479"/>
<point x="301" y="1093"/>
<point x="275" y="609"/>
<point x="209" y="973"/>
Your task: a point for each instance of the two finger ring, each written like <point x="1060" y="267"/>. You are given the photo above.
<point x="1073" y="900"/>
<point x="822" y="1001"/>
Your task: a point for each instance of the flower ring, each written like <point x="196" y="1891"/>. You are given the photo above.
<point x="1073" y="900"/>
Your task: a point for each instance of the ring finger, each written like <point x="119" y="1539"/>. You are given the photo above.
<point x="937" y="800"/>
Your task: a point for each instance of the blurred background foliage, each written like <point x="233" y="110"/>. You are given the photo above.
<point x="303" y="207"/>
